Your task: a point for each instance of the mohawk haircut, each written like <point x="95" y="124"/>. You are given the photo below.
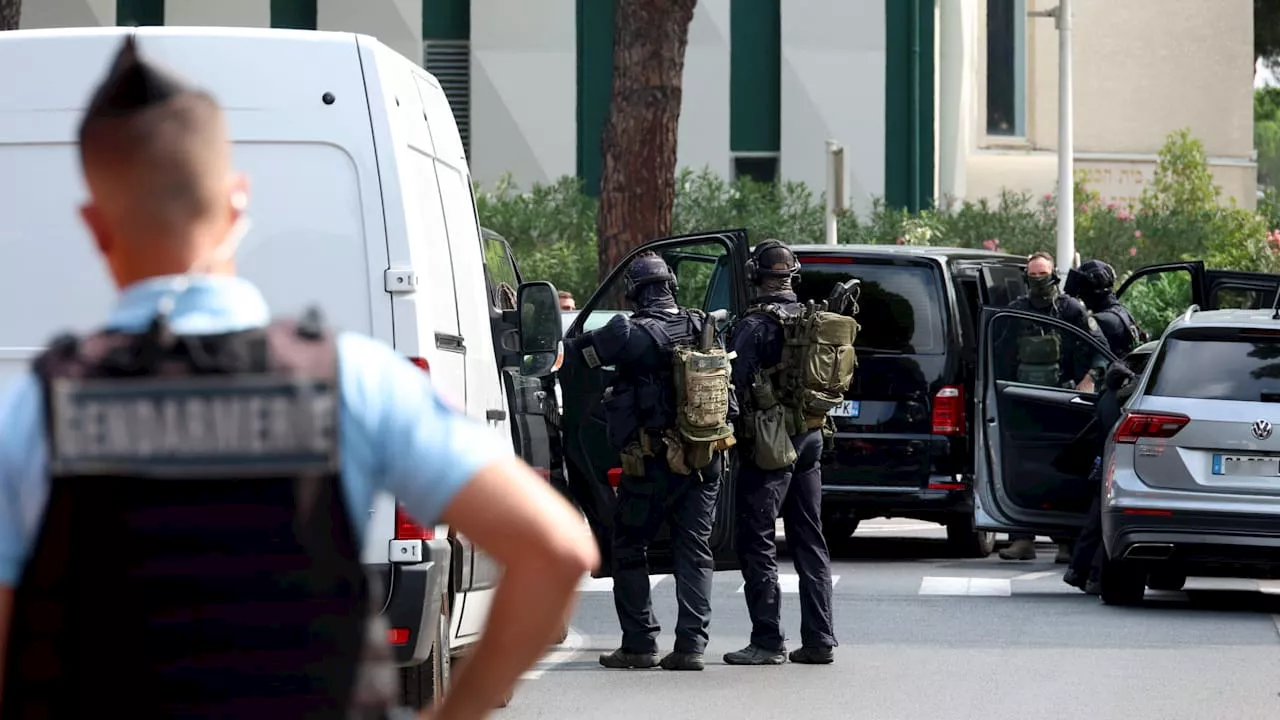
<point x="151" y="141"/>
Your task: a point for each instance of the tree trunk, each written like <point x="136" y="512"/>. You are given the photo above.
<point x="638" y="182"/>
<point x="10" y="11"/>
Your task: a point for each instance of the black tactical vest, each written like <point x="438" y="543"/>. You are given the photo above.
<point x="654" y="377"/>
<point x="196" y="558"/>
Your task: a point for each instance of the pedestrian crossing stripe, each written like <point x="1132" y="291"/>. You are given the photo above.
<point x="788" y="582"/>
<point x="982" y="586"/>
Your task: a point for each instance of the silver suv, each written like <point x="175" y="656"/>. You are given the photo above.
<point x="1191" y="476"/>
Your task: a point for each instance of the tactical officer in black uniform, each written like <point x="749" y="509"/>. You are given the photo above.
<point x="1046" y="358"/>
<point x="793" y="492"/>
<point x="657" y="482"/>
<point x="1085" y="570"/>
<point x="1094" y="283"/>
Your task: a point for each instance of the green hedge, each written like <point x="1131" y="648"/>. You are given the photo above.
<point x="1180" y="216"/>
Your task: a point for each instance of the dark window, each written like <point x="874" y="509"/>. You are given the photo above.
<point x="1218" y="365"/>
<point x="1005" y="26"/>
<point x="900" y="309"/>
<point x="760" y="169"/>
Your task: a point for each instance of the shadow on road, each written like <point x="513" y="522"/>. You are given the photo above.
<point x="863" y="548"/>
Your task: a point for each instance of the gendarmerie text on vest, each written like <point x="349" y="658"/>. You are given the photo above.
<point x="151" y="421"/>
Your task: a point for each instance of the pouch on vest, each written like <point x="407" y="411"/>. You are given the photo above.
<point x="1038" y="359"/>
<point x="702" y="403"/>
<point x="771" y="447"/>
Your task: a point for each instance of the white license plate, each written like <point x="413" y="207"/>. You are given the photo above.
<point x="1250" y="465"/>
<point x="846" y="409"/>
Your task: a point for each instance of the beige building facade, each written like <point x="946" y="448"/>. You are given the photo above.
<point x="1142" y="69"/>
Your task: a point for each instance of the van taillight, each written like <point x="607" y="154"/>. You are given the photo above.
<point x="1149" y="425"/>
<point x="948" y="411"/>
<point x="421" y="362"/>
<point x="408" y="529"/>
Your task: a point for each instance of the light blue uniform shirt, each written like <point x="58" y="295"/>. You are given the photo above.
<point x="395" y="433"/>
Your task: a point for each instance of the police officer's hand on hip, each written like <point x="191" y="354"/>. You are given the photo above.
<point x="182" y="495"/>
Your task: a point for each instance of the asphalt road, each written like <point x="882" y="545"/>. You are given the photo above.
<point x="922" y="637"/>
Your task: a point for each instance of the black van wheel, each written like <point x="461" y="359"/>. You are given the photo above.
<point x="1123" y="583"/>
<point x="420" y="685"/>
<point x="967" y="541"/>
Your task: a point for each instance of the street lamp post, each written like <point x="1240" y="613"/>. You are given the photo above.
<point x="1066" y="250"/>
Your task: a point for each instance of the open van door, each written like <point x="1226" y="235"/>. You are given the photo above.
<point x="1001" y="285"/>
<point x="1024" y="426"/>
<point x="701" y="263"/>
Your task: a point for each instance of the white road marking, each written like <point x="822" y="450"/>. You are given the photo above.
<point x="1036" y="575"/>
<point x="591" y="584"/>
<point x="559" y="655"/>
<point x="790" y="583"/>
<point x="983" y="586"/>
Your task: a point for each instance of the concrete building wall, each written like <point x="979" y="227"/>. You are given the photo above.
<point x="397" y="23"/>
<point x="703" y="140"/>
<point x="833" y="87"/>
<point x="236" y="13"/>
<point x="523" y="90"/>
<point x="67" y="13"/>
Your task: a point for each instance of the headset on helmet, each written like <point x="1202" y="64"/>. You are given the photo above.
<point x="755" y="271"/>
<point x="631" y="285"/>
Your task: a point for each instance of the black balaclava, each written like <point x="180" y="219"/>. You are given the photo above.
<point x="1042" y="291"/>
<point x="652" y="284"/>
<point x="775" y="282"/>
<point x="1096" y="286"/>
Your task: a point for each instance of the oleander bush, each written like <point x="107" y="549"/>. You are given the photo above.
<point x="1180" y="216"/>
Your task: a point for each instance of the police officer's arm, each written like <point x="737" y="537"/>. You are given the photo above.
<point x="1083" y="357"/>
<point x="442" y="464"/>
<point x="748" y="340"/>
<point x="611" y="344"/>
<point x="22" y="489"/>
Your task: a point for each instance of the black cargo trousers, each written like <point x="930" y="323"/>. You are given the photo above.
<point x="795" y="493"/>
<point x="688" y="502"/>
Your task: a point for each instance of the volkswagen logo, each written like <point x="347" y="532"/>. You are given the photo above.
<point x="1261" y="429"/>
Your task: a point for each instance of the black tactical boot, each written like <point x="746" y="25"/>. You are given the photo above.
<point x="813" y="655"/>
<point x="683" y="661"/>
<point x="1072" y="578"/>
<point x="754" y="655"/>
<point x="622" y="660"/>
<point x="1019" y="550"/>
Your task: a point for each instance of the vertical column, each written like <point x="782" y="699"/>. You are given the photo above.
<point x="232" y="13"/>
<point x="293" y="14"/>
<point x="908" y="96"/>
<point x="397" y="23"/>
<point x="140" y="12"/>
<point x="595" y="86"/>
<point x="703" y="137"/>
<point x="755" y="82"/>
<point x="517" y="46"/>
<point x="67" y="13"/>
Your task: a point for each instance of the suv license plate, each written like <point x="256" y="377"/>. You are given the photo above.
<point x="1251" y="466"/>
<point x="846" y="409"/>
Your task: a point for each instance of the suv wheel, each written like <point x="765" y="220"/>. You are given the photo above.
<point x="965" y="540"/>
<point x="1171" y="581"/>
<point x="420" y="685"/>
<point x="1123" y="583"/>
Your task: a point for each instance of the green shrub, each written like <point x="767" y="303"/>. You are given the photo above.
<point x="552" y="228"/>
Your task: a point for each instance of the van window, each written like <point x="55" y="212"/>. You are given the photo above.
<point x="1217" y="365"/>
<point x="900" y="309"/>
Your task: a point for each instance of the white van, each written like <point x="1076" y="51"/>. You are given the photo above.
<point x="361" y="202"/>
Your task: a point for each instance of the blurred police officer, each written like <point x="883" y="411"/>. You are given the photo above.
<point x="183" y="494"/>
<point x="670" y="472"/>
<point x="1042" y="356"/>
<point x="791" y="486"/>
<point x="1094" y="284"/>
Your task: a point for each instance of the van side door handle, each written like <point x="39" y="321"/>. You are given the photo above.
<point x="495" y="415"/>
<point x="451" y="343"/>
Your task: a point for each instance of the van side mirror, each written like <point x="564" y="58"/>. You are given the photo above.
<point x="541" y="331"/>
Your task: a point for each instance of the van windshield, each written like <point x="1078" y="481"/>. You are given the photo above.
<point x="900" y="310"/>
<point x="1218" y="365"/>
